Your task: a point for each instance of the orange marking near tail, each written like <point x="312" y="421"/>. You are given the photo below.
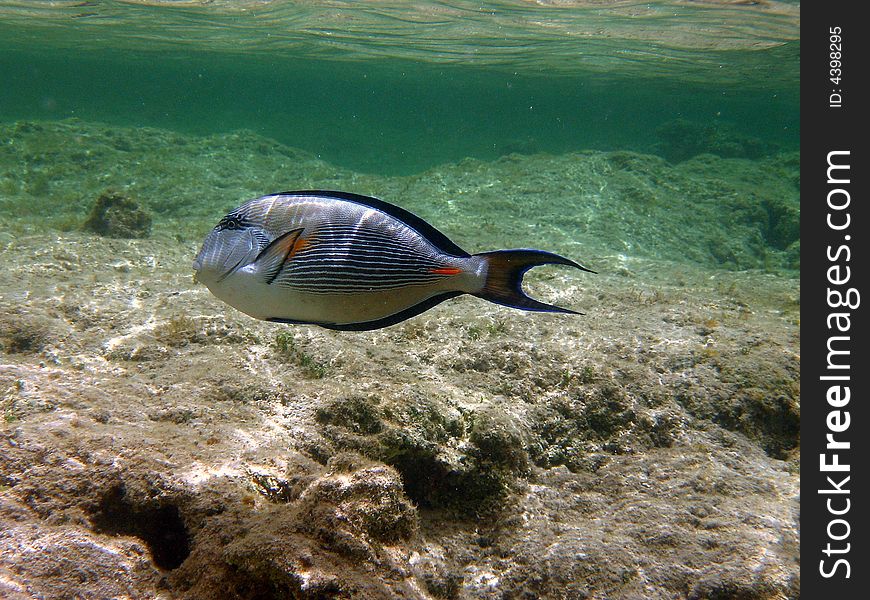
<point x="446" y="271"/>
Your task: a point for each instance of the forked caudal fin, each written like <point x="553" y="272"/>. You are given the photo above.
<point x="504" y="280"/>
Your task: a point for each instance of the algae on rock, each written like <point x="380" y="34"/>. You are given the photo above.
<point x="117" y="215"/>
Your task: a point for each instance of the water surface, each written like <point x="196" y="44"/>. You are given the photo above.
<point x="395" y="87"/>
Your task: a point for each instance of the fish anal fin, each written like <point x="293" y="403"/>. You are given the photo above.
<point x="411" y="311"/>
<point x="273" y="257"/>
<point x="398" y="317"/>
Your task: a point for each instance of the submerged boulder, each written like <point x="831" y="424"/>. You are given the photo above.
<point x="119" y="216"/>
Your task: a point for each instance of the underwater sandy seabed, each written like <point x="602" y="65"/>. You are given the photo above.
<point x="158" y="444"/>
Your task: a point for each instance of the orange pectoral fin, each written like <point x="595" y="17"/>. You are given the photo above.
<point x="300" y="244"/>
<point x="446" y="271"/>
<point x="271" y="260"/>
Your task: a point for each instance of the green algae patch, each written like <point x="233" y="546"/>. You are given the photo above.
<point x="464" y="462"/>
<point x="289" y="350"/>
<point x="25" y="334"/>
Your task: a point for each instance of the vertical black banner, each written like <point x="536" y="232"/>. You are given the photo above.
<point x="835" y="226"/>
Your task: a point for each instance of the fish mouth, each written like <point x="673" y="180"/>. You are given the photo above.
<point x="198" y="270"/>
<point x="231" y="270"/>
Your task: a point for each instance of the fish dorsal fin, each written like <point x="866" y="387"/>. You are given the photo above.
<point x="271" y="259"/>
<point x="441" y="241"/>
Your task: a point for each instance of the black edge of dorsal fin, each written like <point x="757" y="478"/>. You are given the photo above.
<point x="422" y="227"/>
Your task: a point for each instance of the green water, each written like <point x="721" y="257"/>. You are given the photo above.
<point x="160" y="444"/>
<point x="464" y="112"/>
<point x="395" y="87"/>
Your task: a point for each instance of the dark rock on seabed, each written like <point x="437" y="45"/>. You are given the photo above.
<point x="157" y="444"/>
<point x="116" y="215"/>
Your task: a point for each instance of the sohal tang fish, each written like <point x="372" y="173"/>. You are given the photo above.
<point x="350" y="262"/>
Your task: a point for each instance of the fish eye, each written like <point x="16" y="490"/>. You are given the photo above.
<point x="229" y="222"/>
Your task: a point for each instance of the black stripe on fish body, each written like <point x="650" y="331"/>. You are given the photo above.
<point x="330" y="287"/>
<point x="398" y="317"/>
<point x="355" y="268"/>
<point x="435" y="237"/>
<point x="367" y="255"/>
<point x="382" y="234"/>
<point x="368" y="249"/>
<point x="337" y="276"/>
<point x="344" y="260"/>
<point x="351" y="267"/>
<point x="363" y="238"/>
<point x="362" y="246"/>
